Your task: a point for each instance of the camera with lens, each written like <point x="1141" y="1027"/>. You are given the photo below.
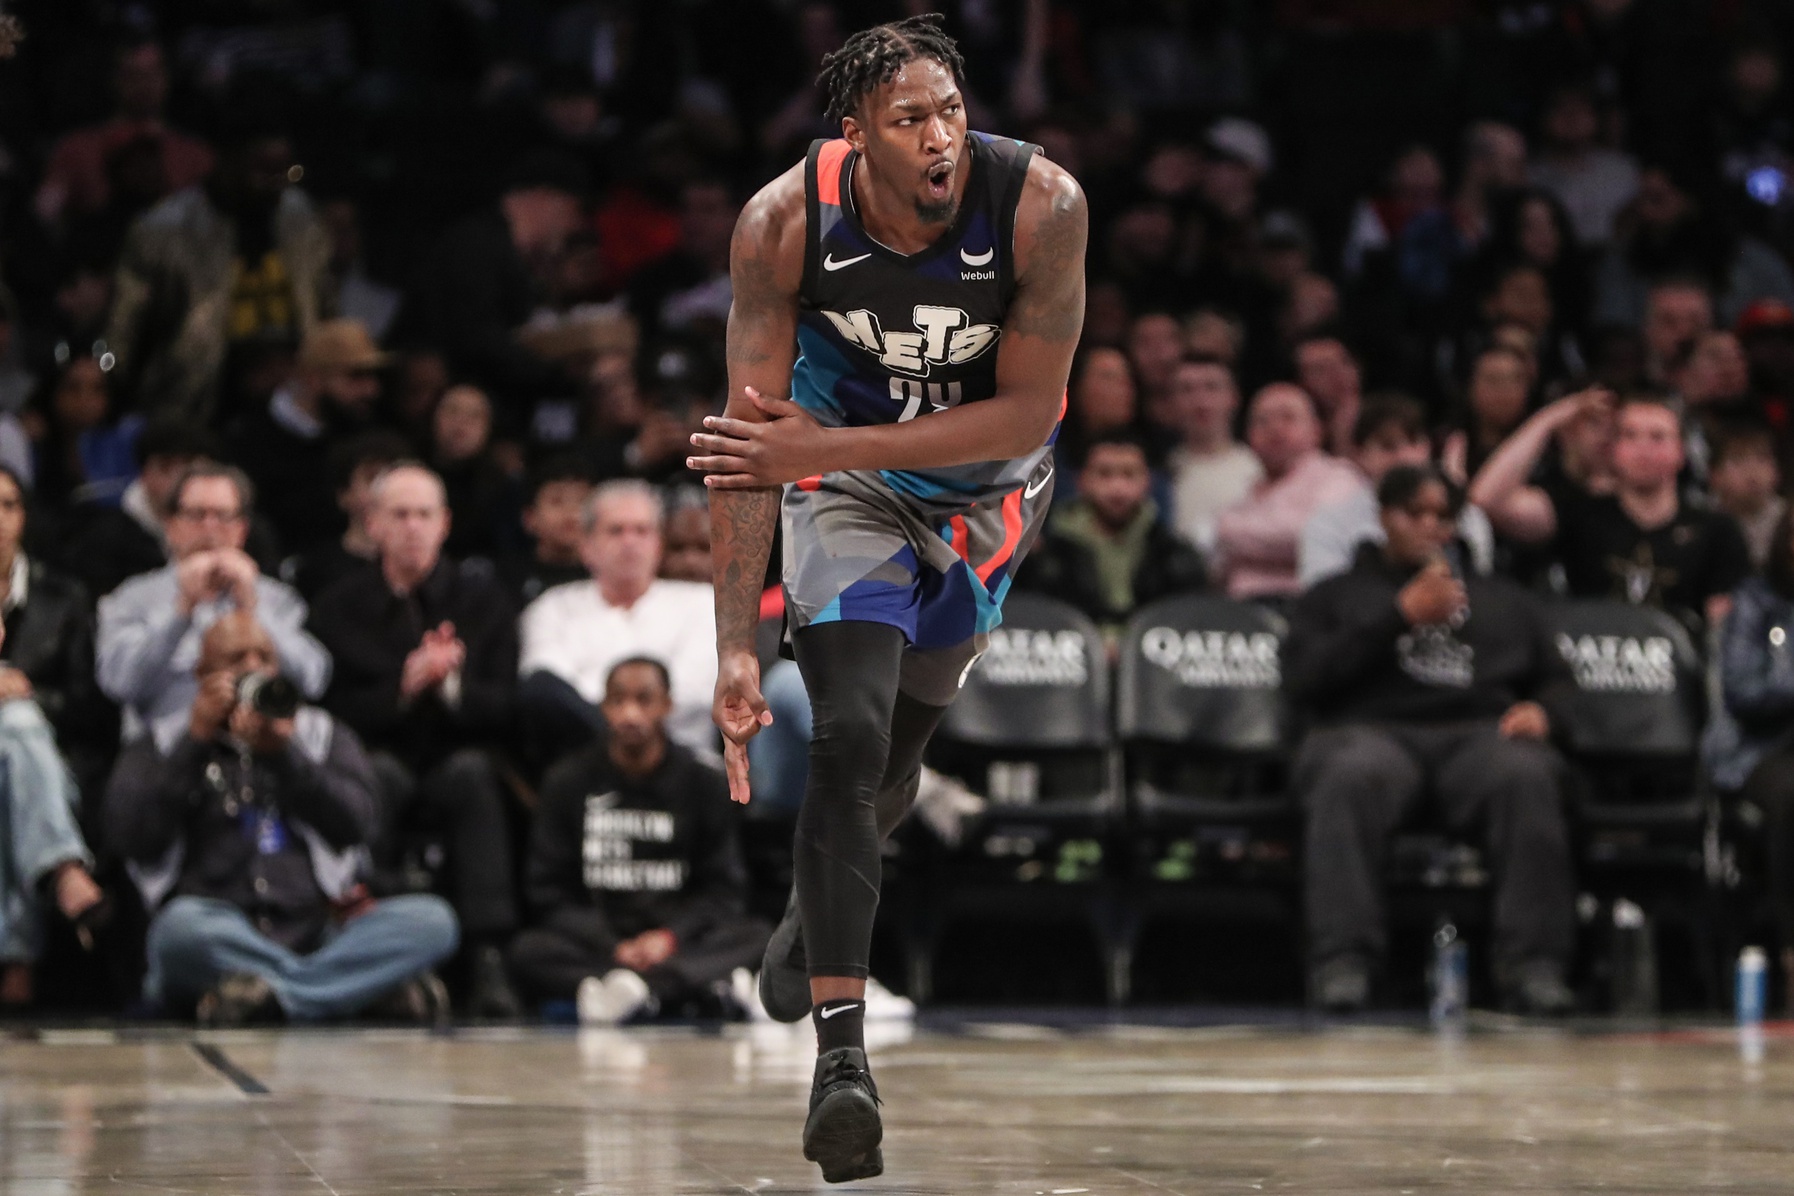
<point x="268" y="694"/>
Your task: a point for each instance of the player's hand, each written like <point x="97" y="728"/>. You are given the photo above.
<point x="742" y="455"/>
<point x="739" y="712"/>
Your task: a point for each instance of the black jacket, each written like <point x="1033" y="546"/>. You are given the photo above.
<point x="370" y="630"/>
<point x="631" y="854"/>
<point x="237" y="848"/>
<point x="292" y="478"/>
<point x="1062" y="567"/>
<point x="49" y="638"/>
<point x="1352" y="658"/>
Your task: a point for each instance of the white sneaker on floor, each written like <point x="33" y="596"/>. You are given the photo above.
<point x="613" y="998"/>
<point x="884" y="1005"/>
<point x="746" y="991"/>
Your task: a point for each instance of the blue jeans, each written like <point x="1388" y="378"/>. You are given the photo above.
<point x="37" y="826"/>
<point x="196" y="941"/>
<point x="779" y="756"/>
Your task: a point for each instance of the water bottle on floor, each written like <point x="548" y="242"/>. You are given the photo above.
<point x="1449" y="977"/>
<point x="1753" y="985"/>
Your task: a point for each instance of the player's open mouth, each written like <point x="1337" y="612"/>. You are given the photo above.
<point x="940" y="180"/>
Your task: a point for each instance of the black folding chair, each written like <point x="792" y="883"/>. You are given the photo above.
<point x="1030" y="732"/>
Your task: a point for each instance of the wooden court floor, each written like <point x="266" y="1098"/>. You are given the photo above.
<point x="985" y="1107"/>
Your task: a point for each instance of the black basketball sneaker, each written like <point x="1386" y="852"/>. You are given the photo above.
<point x="844" y="1130"/>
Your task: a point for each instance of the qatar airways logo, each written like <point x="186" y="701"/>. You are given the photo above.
<point x="943" y="336"/>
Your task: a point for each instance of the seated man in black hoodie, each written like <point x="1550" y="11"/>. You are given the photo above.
<point x="1420" y="684"/>
<point x="634" y="869"/>
<point x="1111" y="552"/>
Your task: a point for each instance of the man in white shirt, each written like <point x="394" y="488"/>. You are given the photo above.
<point x="574" y="633"/>
<point x="1210" y="470"/>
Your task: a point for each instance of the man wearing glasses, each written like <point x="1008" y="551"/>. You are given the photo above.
<point x="1419" y="684"/>
<point x="150" y="627"/>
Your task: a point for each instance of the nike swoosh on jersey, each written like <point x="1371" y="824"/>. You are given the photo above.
<point x="982" y="259"/>
<point x="829" y="262"/>
<point x="1034" y="488"/>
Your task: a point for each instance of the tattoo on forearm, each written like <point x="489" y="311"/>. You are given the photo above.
<point x="742" y="523"/>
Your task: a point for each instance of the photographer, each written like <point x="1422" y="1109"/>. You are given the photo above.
<point x="243" y="817"/>
<point x="149" y="628"/>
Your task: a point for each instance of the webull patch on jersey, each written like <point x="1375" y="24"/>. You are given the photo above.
<point x="943" y="336"/>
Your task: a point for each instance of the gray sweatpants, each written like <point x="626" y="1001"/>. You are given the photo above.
<point x="1358" y="784"/>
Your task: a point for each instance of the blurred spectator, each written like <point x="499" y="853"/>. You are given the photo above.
<point x="1671" y="233"/>
<point x="1257" y="539"/>
<point x="1746" y="482"/>
<point x="46" y="860"/>
<point x="1391" y="432"/>
<point x="484" y="279"/>
<point x="246" y="829"/>
<point x="690" y="286"/>
<point x="1210" y="470"/>
<point x="1530" y="227"/>
<point x="634" y="870"/>
<point x="426" y="675"/>
<point x="553" y="517"/>
<point x="47" y="653"/>
<point x="150" y="627"/>
<point x="243" y="260"/>
<point x="1239" y="158"/>
<point x="1493" y="166"/>
<point x="1111" y="552"/>
<point x="1748" y="743"/>
<point x="687" y="555"/>
<point x="1712" y="383"/>
<point x="76" y="180"/>
<point x="1217" y="334"/>
<point x="1328" y="371"/>
<point x="1411" y="696"/>
<point x="104" y="545"/>
<point x="1500" y="387"/>
<point x="1591" y="181"/>
<point x="1412" y="240"/>
<point x="1678" y="312"/>
<point x="574" y="634"/>
<point x="87" y="452"/>
<point x="1102" y="398"/>
<point x="284" y="447"/>
<point x="360" y="297"/>
<point x="1642" y="544"/>
<point x="482" y="497"/>
<point x="351" y="468"/>
<point x="1155" y="345"/>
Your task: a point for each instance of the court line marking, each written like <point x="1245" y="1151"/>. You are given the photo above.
<point x="221" y="1063"/>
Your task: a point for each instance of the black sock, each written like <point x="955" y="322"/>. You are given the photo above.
<point x="840" y="1023"/>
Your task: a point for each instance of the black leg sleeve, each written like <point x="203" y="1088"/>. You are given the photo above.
<point x="851" y="671"/>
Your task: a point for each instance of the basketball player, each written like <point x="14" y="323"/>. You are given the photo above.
<point x="930" y="284"/>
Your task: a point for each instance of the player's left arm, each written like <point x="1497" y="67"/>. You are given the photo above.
<point x="1034" y="355"/>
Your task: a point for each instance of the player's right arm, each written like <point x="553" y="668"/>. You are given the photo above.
<point x="766" y="260"/>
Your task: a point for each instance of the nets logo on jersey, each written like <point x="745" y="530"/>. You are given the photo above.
<point x="943" y="336"/>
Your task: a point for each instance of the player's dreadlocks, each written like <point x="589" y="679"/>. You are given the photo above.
<point x="873" y="56"/>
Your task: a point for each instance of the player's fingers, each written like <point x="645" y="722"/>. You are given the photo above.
<point x="735" y="764"/>
<point x="726" y="445"/>
<point x="718" y="463"/>
<point x="734" y="481"/>
<point x="722" y="425"/>
<point x="779" y="408"/>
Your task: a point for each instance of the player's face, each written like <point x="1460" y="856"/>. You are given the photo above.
<point x="913" y="132"/>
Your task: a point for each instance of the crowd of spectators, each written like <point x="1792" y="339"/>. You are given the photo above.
<point x="361" y="343"/>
